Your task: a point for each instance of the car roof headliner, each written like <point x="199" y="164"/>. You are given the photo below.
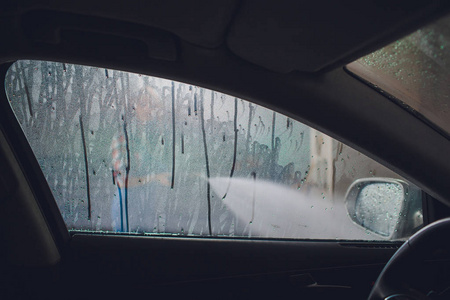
<point x="291" y="50"/>
<point x="282" y="36"/>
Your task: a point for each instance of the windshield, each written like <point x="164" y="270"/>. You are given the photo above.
<point x="415" y="70"/>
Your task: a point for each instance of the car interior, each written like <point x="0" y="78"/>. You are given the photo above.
<point x="288" y="56"/>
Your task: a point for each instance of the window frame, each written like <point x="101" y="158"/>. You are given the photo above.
<point x="51" y="211"/>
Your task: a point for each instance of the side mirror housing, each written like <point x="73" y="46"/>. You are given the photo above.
<point x="391" y="208"/>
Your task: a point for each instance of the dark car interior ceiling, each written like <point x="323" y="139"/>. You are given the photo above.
<point x="282" y="36"/>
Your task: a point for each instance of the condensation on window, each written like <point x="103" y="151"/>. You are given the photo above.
<point x="415" y="70"/>
<point x="125" y="152"/>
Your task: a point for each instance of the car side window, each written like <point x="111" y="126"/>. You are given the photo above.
<point x="124" y="152"/>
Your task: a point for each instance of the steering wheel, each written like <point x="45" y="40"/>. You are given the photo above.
<point x="406" y="269"/>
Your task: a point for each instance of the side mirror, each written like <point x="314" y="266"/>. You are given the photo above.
<point x="391" y="208"/>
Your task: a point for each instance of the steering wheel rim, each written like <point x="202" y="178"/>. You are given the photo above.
<point x="396" y="281"/>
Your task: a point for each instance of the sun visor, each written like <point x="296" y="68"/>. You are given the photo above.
<point x="202" y="23"/>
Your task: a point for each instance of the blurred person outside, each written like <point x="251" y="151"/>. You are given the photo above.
<point x="136" y="173"/>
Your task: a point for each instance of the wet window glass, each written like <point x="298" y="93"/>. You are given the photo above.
<point x="125" y="152"/>
<point x="416" y="71"/>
